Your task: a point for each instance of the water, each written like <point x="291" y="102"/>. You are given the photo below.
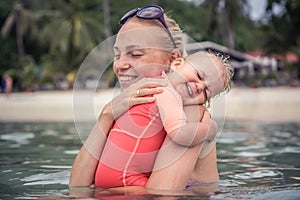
<point x="256" y="161"/>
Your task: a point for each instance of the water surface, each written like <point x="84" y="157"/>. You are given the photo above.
<point x="256" y="161"/>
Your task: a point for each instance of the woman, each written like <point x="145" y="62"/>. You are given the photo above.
<point x="145" y="39"/>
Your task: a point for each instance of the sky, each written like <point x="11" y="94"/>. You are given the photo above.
<point x="257" y="8"/>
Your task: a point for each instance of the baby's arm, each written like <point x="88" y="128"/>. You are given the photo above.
<point x="199" y="127"/>
<point x="179" y="125"/>
<point x="205" y="118"/>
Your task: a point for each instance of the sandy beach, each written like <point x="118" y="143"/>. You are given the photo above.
<point x="280" y="104"/>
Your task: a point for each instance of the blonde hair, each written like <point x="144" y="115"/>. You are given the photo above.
<point x="177" y="34"/>
<point x="229" y="71"/>
<point x="174" y="29"/>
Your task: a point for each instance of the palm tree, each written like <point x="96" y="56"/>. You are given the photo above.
<point x="106" y="17"/>
<point x="223" y="16"/>
<point x="283" y="33"/>
<point x="70" y="34"/>
<point x="23" y="20"/>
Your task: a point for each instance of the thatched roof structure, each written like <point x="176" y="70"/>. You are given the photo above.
<point x="237" y="59"/>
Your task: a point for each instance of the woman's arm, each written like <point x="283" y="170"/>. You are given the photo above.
<point x="85" y="163"/>
<point x="206" y="170"/>
<point x="173" y="167"/>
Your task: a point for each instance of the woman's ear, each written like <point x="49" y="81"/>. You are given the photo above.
<point x="177" y="63"/>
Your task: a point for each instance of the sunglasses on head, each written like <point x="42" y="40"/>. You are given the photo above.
<point x="148" y="12"/>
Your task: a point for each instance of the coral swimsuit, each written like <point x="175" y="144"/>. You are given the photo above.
<point x="133" y="142"/>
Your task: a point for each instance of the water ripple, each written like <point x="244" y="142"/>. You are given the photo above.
<point x="252" y="154"/>
<point x="20" y="138"/>
<point x="290" y="150"/>
<point x="256" y="174"/>
<point x="47" y="179"/>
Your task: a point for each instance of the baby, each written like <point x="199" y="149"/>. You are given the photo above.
<point x="136" y="137"/>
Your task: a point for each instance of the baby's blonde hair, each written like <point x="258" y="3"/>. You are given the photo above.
<point x="229" y="71"/>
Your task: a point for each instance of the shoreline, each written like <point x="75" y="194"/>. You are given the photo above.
<point x="280" y="104"/>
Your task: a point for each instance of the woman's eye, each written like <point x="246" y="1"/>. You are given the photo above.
<point x="117" y="53"/>
<point x="136" y="53"/>
<point x="117" y="56"/>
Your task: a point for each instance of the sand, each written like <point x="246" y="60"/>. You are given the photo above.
<point x="281" y="104"/>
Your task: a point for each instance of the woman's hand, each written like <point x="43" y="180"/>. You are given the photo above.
<point x="138" y="93"/>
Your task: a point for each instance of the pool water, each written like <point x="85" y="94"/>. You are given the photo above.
<point x="255" y="161"/>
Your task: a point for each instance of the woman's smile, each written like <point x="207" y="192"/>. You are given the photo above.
<point x="125" y="78"/>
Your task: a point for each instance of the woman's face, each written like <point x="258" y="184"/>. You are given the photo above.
<point x="139" y="52"/>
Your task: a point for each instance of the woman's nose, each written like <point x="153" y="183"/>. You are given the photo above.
<point x="121" y="63"/>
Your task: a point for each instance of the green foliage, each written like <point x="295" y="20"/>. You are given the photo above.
<point x="57" y="35"/>
<point x="30" y="71"/>
<point x="282" y="27"/>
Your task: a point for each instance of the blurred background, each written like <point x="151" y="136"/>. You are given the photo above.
<point x="43" y="42"/>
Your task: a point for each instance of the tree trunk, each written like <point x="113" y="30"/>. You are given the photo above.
<point x="19" y="31"/>
<point x="229" y="32"/>
<point x="106" y="16"/>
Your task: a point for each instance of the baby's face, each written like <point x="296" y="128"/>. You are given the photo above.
<point x="211" y="70"/>
<point x="199" y="81"/>
<point x="189" y="85"/>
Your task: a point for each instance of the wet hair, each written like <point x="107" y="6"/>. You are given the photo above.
<point x="228" y="69"/>
<point x="229" y="72"/>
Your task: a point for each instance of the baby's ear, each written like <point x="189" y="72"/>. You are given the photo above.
<point x="177" y="63"/>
